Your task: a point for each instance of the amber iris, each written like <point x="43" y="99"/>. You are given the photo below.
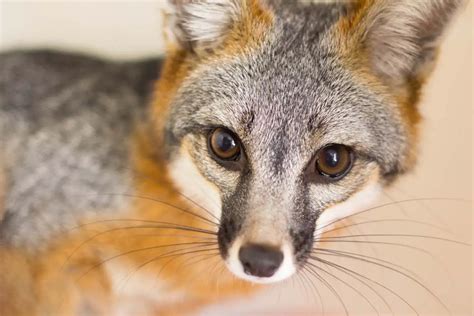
<point x="334" y="161"/>
<point x="224" y="144"/>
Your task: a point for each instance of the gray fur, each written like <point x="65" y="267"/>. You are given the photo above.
<point x="65" y="124"/>
<point x="285" y="100"/>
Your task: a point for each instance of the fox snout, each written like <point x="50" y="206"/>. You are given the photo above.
<point x="260" y="249"/>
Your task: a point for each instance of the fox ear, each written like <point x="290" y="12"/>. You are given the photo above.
<point x="399" y="37"/>
<point x="202" y="24"/>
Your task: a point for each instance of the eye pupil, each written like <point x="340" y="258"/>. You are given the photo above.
<point x="334" y="161"/>
<point x="331" y="157"/>
<point x="224" y="145"/>
<point x="225" y="142"/>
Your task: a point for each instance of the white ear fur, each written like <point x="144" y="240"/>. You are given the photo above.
<point x="401" y="36"/>
<point x="202" y="23"/>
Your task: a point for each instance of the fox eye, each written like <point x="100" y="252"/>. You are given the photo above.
<point x="224" y="144"/>
<point x="334" y="161"/>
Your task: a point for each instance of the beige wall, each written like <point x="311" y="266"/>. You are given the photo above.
<point x="129" y="29"/>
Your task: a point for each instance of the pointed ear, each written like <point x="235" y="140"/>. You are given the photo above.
<point x="399" y="37"/>
<point x="205" y="24"/>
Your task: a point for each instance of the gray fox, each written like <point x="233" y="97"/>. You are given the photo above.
<point x="269" y="120"/>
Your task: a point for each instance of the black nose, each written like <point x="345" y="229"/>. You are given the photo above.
<point x="260" y="260"/>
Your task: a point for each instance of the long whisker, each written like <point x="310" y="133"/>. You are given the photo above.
<point x="340" y="267"/>
<point x="118" y="220"/>
<point x="390" y="204"/>
<point x="167" y="225"/>
<point x="174" y="236"/>
<point x="173" y="255"/>
<point x="398" y="235"/>
<point x="207" y="251"/>
<point x="206" y="257"/>
<point x="209" y="255"/>
<point x="377" y="243"/>
<point x="215" y="251"/>
<point x="300" y="280"/>
<point x="315" y="289"/>
<point x="370" y="242"/>
<point x="386" y="221"/>
<point x="139" y="250"/>
<point x="433" y="215"/>
<point x="329" y="286"/>
<point x="347" y="284"/>
<point x="407" y="276"/>
<point x="172" y="206"/>
<point x="360" y="257"/>
<point x="373" y="291"/>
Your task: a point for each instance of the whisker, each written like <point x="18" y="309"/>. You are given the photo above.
<point x="405" y="275"/>
<point x="171" y="227"/>
<point x="174" y="236"/>
<point x="338" y="266"/>
<point x="378" y="243"/>
<point x="433" y="215"/>
<point x="300" y="280"/>
<point x="388" y="221"/>
<point x="399" y="235"/>
<point x="360" y="257"/>
<point x="170" y="254"/>
<point x="329" y="286"/>
<point x="172" y="206"/>
<point x="357" y="278"/>
<point x="176" y="257"/>
<point x="209" y="257"/>
<point x="136" y="251"/>
<point x="370" y="242"/>
<point x="347" y="284"/>
<point x="111" y="220"/>
<point x="315" y="289"/>
<point x="390" y="204"/>
<point x="382" y="298"/>
<point x="206" y="257"/>
<point x="213" y="252"/>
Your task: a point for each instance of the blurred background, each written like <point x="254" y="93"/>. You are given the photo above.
<point x="435" y="198"/>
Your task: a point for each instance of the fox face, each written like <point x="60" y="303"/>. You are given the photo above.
<point x="281" y="117"/>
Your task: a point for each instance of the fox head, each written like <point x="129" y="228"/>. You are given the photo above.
<point x="280" y="116"/>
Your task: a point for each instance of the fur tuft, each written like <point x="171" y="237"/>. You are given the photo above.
<point x="203" y="23"/>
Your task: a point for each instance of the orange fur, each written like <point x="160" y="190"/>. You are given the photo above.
<point x="16" y="284"/>
<point x="249" y="32"/>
